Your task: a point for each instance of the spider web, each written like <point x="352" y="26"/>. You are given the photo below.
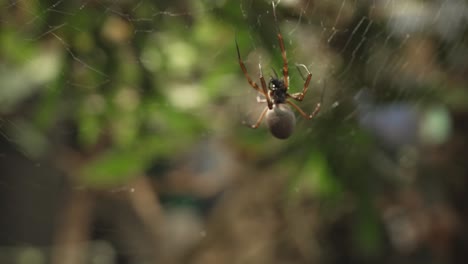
<point x="75" y="54"/>
<point x="332" y="38"/>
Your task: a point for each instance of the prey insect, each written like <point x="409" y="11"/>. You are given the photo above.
<point x="280" y="119"/>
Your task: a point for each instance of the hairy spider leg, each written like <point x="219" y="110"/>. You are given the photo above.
<point x="244" y="70"/>
<point x="303" y="114"/>
<point x="274" y="72"/>
<point x="300" y="72"/>
<point x="260" y="118"/>
<point x="264" y="87"/>
<point x="300" y="96"/>
<point x="283" y="50"/>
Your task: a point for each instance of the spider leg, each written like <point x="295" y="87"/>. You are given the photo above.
<point x="300" y="96"/>
<point x="264" y="87"/>
<point x="314" y="113"/>
<point x="244" y="70"/>
<point x="260" y="118"/>
<point x="300" y="72"/>
<point x="283" y="50"/>
<point x="260" y="99"/>
<point x="274" y="72"/>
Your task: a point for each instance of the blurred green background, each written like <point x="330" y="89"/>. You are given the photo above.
<point x="122" y="136"/>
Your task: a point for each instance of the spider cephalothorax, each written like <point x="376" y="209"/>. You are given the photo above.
<point x="278" y="91"/>
<point x="279" y="116"/>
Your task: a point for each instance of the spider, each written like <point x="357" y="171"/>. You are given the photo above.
<point x="280" y="119"/>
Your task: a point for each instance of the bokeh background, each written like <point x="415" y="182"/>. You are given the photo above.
<point x="122" y="136"/>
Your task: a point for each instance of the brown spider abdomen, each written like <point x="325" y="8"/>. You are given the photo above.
<point x="281" y="121"/>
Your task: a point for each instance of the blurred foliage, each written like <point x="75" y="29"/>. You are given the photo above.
<point x="109" y="92"/>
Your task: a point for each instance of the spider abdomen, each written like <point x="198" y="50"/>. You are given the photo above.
<point x="280" y="121"/>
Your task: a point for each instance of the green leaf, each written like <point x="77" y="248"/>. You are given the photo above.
<point x="112" y="168"/>
<point x="315" y="178"/>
